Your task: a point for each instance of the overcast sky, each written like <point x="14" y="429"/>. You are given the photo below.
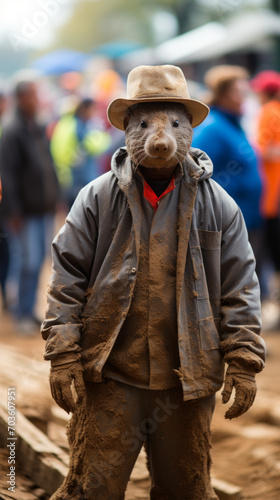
<point x="32" y="21"/>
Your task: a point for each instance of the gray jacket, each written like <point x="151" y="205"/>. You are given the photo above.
<point x="95" y="258"/>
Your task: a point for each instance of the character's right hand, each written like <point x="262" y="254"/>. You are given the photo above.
<point x="60" y="381"/>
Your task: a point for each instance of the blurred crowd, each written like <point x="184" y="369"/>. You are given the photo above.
<point x="52" y="144"/>
<point x="55" y="139"/>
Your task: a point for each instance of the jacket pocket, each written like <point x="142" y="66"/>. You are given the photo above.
<point x="205" y="247"/>
<point x="205" y="250"/>
<point x="209" y="240"/>
<point x="208" y="334"/>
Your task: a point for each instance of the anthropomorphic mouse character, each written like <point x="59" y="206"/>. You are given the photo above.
<point x="153" y="290"/>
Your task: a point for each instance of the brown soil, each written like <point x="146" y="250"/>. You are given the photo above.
<point x="246" y="451"/>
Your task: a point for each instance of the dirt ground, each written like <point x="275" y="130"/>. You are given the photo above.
<point x="246" y="451"/>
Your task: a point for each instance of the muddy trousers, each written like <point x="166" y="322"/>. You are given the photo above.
<point x="107" y="432"/>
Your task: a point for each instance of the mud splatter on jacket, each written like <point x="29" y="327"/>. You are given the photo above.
<point x="95" y="258"/>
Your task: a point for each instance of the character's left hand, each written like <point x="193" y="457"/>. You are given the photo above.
<point x="61" y="377"/>
<point x="245" y="392"/>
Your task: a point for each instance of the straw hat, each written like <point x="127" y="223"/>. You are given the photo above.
<point x="156" y="84"/>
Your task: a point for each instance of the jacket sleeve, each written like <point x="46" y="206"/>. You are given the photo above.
<point x="240" y="299"/>
<point x="73" y="252"/>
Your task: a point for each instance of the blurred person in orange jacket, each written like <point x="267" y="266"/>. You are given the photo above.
<point x="267" y="86"/>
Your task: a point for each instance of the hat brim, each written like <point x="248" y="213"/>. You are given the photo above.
<point x="117" y="109"/>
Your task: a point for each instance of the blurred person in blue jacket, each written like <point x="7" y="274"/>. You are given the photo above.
<point x="222" y="137"/>
<point x="76" y="143"/>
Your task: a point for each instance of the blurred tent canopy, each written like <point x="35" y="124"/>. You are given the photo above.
<point x="246" y="30"/>
<point x="93" y="22"/>
<point x="61" y="61"/>
<point x="117" y="49"/>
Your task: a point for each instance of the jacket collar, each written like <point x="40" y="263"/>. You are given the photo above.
<point x="196" y="167"/>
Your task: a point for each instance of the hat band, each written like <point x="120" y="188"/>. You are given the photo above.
<point x="165" y="96"/>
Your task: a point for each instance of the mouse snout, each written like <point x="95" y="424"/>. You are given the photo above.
<point x="161" y="147"/>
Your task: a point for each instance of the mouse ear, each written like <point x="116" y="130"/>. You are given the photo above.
<point x="125" y="122"/>
<point x="190" y="117"/>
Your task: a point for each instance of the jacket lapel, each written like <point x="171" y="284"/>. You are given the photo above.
<point x="129" y="187"/>
<point x="188" y="192"/>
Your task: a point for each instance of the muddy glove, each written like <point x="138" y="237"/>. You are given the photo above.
<point x="61" y="377"/>
<point x="245" y="391"/>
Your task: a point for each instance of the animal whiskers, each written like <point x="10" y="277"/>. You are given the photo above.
<point x="137" y="160"/>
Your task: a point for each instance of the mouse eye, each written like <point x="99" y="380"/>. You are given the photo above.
<point x="176" y="124"/>
<point x="143" y="124"/>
